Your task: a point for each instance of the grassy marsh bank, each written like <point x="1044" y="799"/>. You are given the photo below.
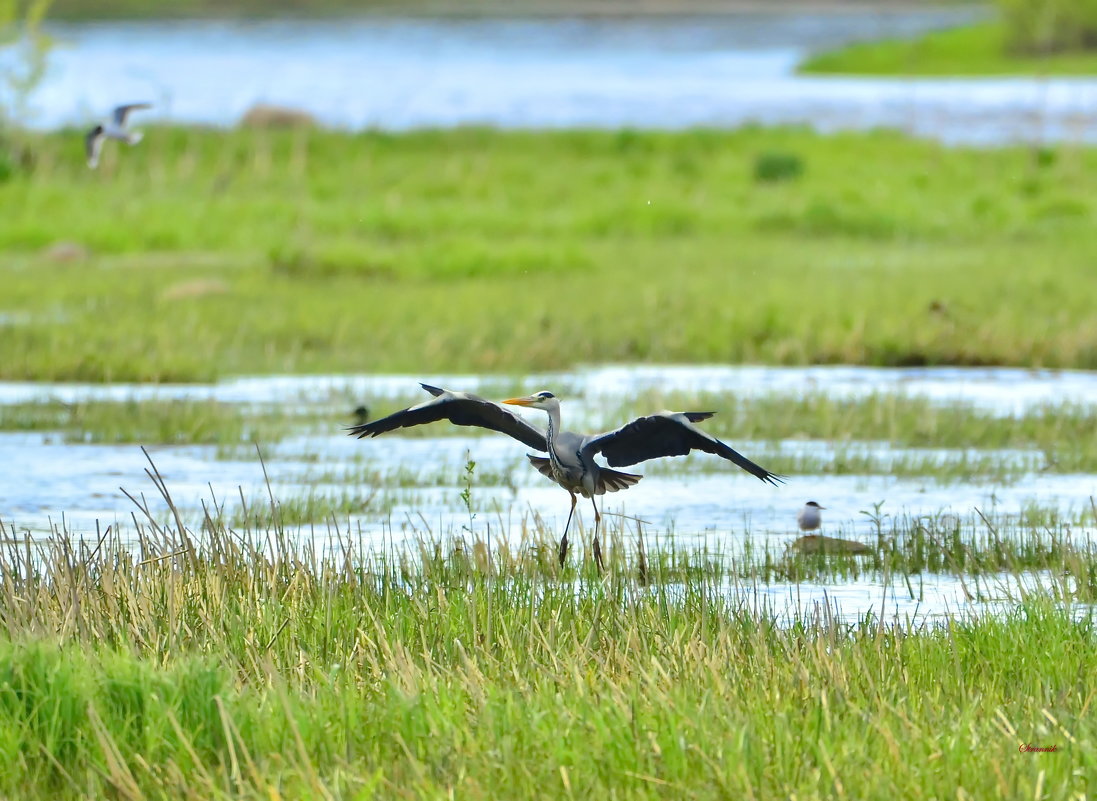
<point x="980" y="49"/>
<point x="150" y="422"/>
<point x="216" y="253"/>
<point x="246" y="667"/>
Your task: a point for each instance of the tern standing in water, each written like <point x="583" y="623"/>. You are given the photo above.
<point x="114" y="128"/>
<point x="809" y="518"/>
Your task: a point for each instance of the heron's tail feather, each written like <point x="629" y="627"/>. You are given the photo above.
<point x="613" y="480"/>
<point x="608" y="480"/>
<point x="543" y="465"/>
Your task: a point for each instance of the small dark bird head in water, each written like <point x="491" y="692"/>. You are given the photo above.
<point x="361" y="415"/>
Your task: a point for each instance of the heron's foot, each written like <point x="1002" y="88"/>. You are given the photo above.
<point x="598" y="556"/>
<point x="563" y="550"/>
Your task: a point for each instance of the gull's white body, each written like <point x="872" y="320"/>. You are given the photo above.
<point x="112" y="131"/>
<point x="114" y="128"/>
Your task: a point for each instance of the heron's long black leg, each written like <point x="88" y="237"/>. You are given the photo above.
<point x="564" y="539"/>
<point x="597" y="545"/>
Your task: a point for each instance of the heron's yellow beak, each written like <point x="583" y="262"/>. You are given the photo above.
<point x="519" y="401"/>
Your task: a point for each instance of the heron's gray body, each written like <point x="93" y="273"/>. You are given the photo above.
<point x="571" y="463"/>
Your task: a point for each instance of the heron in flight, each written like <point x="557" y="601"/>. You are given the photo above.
<point x="570" y="461"/>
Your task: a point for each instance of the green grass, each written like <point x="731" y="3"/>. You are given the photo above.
<point x="310" y="508"/>
<point x="148" y="422"/>
<point x="222" y="253"/>
<point x="243" y="666"/>
<point x="979" y="49"/>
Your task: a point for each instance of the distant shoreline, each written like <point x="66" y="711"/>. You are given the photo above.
<point x="96" y="10"/>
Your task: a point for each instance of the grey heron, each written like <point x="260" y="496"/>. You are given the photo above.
<point x="809" y="518"/>
<point x="570" y="461"/>
<point x="114" y="128"/>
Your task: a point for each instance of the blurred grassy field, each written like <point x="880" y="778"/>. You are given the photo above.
<point x="144" y="9"/>
<point x="202" y="253"/>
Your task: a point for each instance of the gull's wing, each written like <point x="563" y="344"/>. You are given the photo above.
<point x="462" y="409"/>
<point x="121" y="113"/>
<point x="666" y="434"/>
<point x="93" y="143"/>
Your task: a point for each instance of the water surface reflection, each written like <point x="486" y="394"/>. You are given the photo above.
<point x="664" y="72"/>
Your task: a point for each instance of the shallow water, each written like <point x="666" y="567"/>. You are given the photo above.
<point x="404" y="489"/>
<point x="47" y="475"/>
<point x="1002" y="390"/>
<point x="661" y="72"/>
<point x="929" y="599"/>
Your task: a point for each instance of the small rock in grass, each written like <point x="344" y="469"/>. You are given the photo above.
<point x="262" y="115"/>
<point x="65" y="252"/>
<point x="817" y="543"/>
<point x="198" y="288"/>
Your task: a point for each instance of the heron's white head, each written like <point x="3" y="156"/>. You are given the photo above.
<point x="538" y="400"/>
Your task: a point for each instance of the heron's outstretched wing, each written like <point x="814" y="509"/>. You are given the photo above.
<point x="461" y="409"/>
<point x="93" y="143"/>
<point x="121" y="113"/>
<point x="667" y="434"/>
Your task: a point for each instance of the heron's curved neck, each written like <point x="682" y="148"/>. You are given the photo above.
<point x="553" y="423"/>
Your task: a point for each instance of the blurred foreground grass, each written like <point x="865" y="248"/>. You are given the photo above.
<point x="203" y="253"/>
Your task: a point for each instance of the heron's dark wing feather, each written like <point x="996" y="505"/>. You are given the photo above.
<point x="121" y="113"/>
<point x="670" y="434"/>
<point x="460" y="409"/>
